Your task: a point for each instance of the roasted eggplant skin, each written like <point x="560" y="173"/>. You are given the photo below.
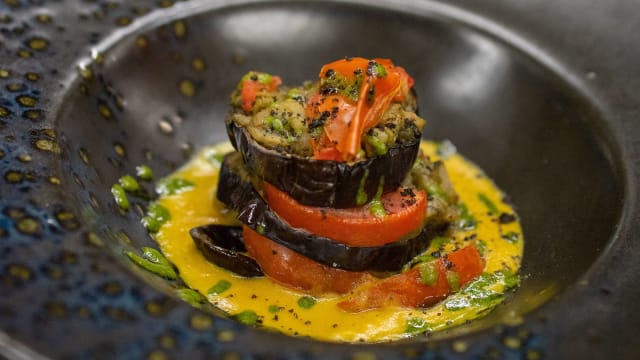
<point x="322" y="182"/>
<point x="238" y="193"/>
<point x="223" y="246"/>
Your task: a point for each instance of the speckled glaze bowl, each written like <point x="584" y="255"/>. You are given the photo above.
<point x="542" y="95"/>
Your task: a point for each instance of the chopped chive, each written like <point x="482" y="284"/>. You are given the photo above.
<point x="480" y="292"/>
<point x="481" y="245"/>
<point x="274" y="309"/>
<point x="144" y="172"/>
<point x="247" y="317"/>
<point x="420" y="259"/>
<point x="417" y="326"/>
<point x="306" y="302"/>
<point x="156" y="216"/>
<point x="173" y="186"/>
<point x="361" y="195"/>
<point x="493" y="210"/>
<point x="215" y="159"/>
<point x="376" y="209"/>
<point x="439" y="241"/>
<point x="220" y="287"/>
<point x="466" y="221"/>
<point x="129" y="183"/>
<point x="379" y="147"/>
<point x="153" y="261"/>
<point x="428" y="273"/>
<point x="511" y="279"/>
<point x="375" y="206"/>
<point x="191" y="296"/>
<point x="120" y="196"/>
<point x="511" y="237"/>
<point x="453" y="279"/>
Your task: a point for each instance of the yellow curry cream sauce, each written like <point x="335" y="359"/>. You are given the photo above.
<point x="269" y="305"/>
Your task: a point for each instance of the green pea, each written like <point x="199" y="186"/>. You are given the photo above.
<point x="274" y="123"/>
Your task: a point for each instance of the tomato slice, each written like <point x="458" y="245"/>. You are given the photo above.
<point x="408" y="290"/>
<point x="405" y="210"/>
<point x="343" y="130"/>
<point x="293" y="270"/>
<point x="255" y="82"/>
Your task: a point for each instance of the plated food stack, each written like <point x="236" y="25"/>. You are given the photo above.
<point x="332" y="191"/>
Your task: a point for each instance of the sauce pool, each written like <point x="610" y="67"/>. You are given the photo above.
<point x="496" y="232"/>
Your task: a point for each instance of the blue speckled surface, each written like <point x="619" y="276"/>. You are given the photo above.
<point x="65" y="291"/>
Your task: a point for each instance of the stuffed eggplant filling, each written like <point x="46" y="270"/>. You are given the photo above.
<point x="324" y="141"/>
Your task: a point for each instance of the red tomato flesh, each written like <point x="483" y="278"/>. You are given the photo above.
<point x="251" y="88"/>
<point x="293" y="270"/>
<point x="407" y="290"/>
<point x="405" y="209"/>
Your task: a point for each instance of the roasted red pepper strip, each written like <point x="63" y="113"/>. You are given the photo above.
<point x="382" y="83"/>
<point x="297" y="271"/>
<point x="354" y="226"/>
<point x="408" y="289"/>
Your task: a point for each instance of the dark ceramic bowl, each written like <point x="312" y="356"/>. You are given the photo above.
<point x="540" y="95"/>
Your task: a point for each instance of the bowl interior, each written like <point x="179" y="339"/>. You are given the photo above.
<point x="161" y="92"/>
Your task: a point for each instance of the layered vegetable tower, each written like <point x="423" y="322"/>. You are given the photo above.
<point x="332" y="191"/>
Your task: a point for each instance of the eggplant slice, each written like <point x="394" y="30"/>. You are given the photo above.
<point x="322" y="182"/>
<point x="237" y="191"/>
<point x="222" y="245"/>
